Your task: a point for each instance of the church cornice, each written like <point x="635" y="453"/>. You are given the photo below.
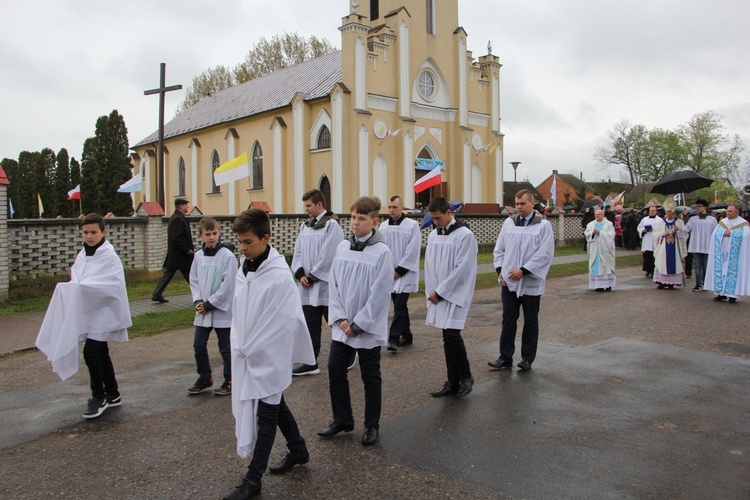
<point x="396" y="11"/>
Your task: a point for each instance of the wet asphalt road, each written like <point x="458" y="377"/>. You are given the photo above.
<point x="638" y="393"/>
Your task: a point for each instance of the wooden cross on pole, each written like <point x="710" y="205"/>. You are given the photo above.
<point x="163" y="89"/>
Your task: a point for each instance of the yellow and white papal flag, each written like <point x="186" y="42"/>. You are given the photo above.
<point x="233" y="170"/>
<point x="41" y="207"/>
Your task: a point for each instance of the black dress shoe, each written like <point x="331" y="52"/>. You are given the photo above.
<point x="405" y="341"/>
<point x="290" y="460"/>
<point x="524" y="365"/>
<point x="246" y="489"/>
<point x="465" y="387"/>
<point x="160" y="300"/>
<point x="500" y="364"/>
<point x="392" y="346"/>
<point x="370" y="436"/>
<point x="446" y="390"/>
<point x="334" y="429"/>
<point x="719" y="298"/>
<point x="732" y="300"/>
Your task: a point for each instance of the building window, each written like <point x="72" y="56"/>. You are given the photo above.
<point x="374" y="9"/>
<point x="181" y="177"/>
<point x="257" y="167"/>
<point x="426" y="84"/>
<point x="215" y="162"/>
<point x="324" y="138"/>
<point x="430" y="17"/>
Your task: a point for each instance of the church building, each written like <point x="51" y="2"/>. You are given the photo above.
<point x="402" y="96"/>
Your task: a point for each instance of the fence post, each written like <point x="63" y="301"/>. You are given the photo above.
<point x="4" y="241"/>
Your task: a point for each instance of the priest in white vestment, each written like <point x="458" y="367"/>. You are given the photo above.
<point x="600" y="236"/>
<point x="670" y="248"/>
<point x="728" y="270"/>
<point x="645" y="228"/>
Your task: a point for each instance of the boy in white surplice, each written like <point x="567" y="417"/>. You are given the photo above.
<point x="360" y="292"/>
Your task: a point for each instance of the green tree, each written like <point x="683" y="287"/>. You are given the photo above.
<point x="265" y="57"/>
<point x="75" y="172"/>
<point x="707" y="149"/>
<point x="38" y="165"/>
<point x="105" y="164"/>
<point x="61" y="185"/>
<point x="661" y="153"/>
<point x="624" y="147"/>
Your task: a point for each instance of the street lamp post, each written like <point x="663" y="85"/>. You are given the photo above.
<point x="515" y="164"/>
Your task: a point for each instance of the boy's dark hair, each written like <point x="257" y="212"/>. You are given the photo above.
<point x="439" y="205"/>
<point x="208" y="223"/>
<point x="701" y="202"/>
<point x="93" y="218"/>
<point x="315" y="196"/>
<point x="526" y="193"/>
<point x="396" y="197"/>
<point x="367" y="205"/>
<point x="252" y="220"/>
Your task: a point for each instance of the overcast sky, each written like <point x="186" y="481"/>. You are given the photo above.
<point x="571" y="69"/>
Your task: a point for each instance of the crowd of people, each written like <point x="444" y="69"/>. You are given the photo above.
<point x="268" y="317"/>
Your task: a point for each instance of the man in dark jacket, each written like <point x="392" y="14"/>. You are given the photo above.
<point x="179" y="249"/>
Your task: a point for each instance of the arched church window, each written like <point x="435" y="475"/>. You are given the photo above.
<point x="257" y="166"/>
<point x="215" y="162"/>
<point x="324" y="138"/>
<point x="181" y="177"/>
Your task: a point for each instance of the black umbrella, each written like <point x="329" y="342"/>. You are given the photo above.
<point x="592" y="202"/>
<point x="682" y="181"/>
<point x="718" y="206"/>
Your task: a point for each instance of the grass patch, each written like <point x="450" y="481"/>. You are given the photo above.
<point x="150" y="324"/>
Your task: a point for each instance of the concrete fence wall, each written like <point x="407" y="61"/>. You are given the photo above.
<point x="36" y="247"/>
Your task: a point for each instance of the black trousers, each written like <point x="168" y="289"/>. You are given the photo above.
<point x="456" y="360"/>
<point x="512" y="305"/>
<point x="648" y="262"/>
<point x="101" y="371"/>
<point x="200" y="346"/>
<point x="166" y="277"/>
<point x="270" y="417"/>
<point x="314" y="318"/>
<point x="369" y="366"/>
<point x="400" y="326"/>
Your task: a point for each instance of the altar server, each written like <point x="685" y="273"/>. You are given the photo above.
<point x="268" y="335"/>
<point x="311" y="263"/>
<point x="450" y="272"/>
<point x="91" y="307"/>
<point x="645" y="228"/>
<point x="403" y="237"/>
<point x="523" y="254"/>
<point x="361" y="280"/>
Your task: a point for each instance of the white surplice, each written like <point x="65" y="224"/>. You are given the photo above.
<point x="669" y="251"/>
<point x="531" y="247"/>
<point x="728" y="269"/>
<point x="601" y="248"/>
<point x="212" y="278"/>
<point x="700" y="230"/>
<point x="93" y="304"/>
<point x="450" y="270"/>
<point x="268" y="335"/>
<point x="405" y="242"/>
<point x="647" y="238"/>
<point x="360" y="292"/>
<point x="313" y="252"/>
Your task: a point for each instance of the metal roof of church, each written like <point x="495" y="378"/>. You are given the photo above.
<point x="312" y="79"/>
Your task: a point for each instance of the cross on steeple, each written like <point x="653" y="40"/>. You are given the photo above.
<point x="163" y="89"/>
